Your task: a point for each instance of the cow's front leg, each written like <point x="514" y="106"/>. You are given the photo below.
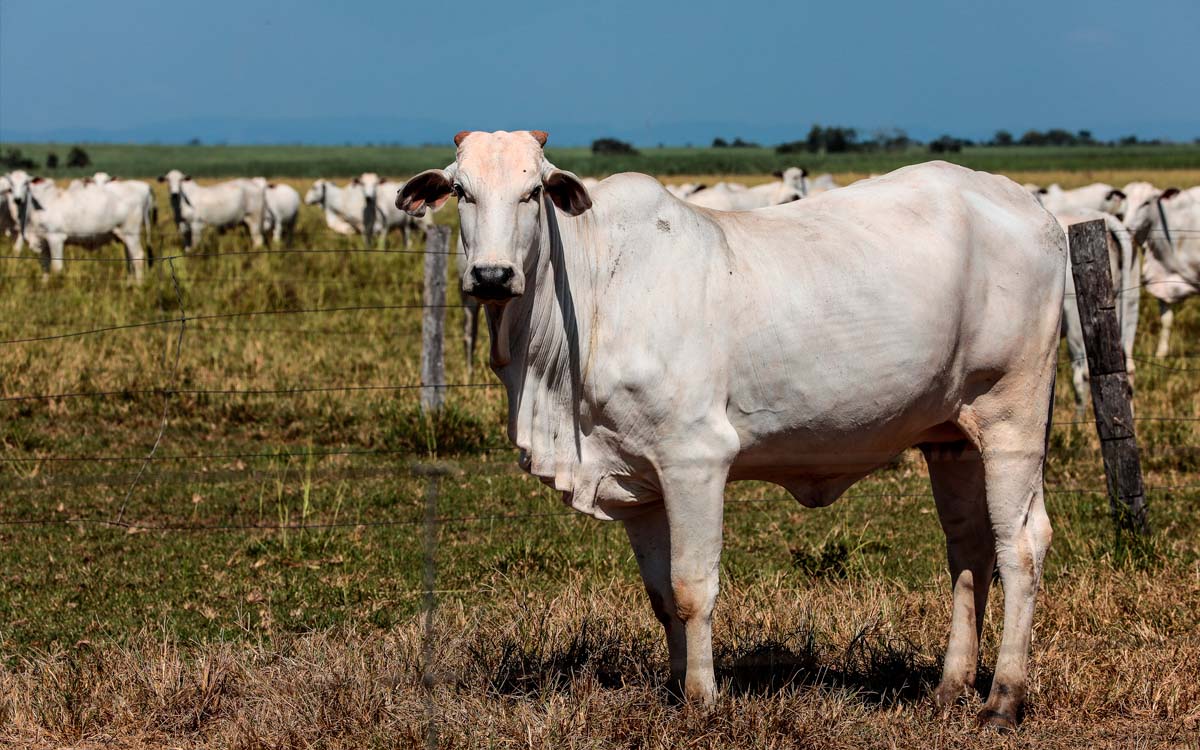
<point x="256" y="232"/>
<point x="1166" y="318"/>
<point x="694" y="498"/>
<point x="650" y="536"/>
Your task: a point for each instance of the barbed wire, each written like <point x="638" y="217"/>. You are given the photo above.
<point x="734" y="505"/>
<point x="225" y="316"/>
<point x="127" y="392"/>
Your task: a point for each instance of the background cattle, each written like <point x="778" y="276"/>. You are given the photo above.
<point x="1165" y="224"/>
<point x="227" y="204"/>
<point x="88" y="215"/>
<point x="381" y="194"/>
<point x="727" y="197"/>
<point x="1125" y="272"/>
<point x="281" y="210"/>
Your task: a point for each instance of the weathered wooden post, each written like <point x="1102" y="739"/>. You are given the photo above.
<point x="1111" y="392"/>
<point x="433" y="320"/>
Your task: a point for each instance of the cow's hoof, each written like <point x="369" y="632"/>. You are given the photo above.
<point x="700" y="692"/>
<point x="950" y="693"/>
<point x="996" y="719"/>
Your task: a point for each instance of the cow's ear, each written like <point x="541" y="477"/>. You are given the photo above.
<point x="1114" y="193"/>
<point x="356" y="181"/>
<point x="162" y="178"/>
<point x="187" y="177"/>
<point x="1168" y="194"/>
<point x="37" y="180"/>
<point x="431" y="188"/>
<point x="567" y="192"/>
<point x="778" y="173"/>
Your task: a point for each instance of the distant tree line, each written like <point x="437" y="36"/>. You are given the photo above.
<point x="838" y="139"/>
<point x="14" y="158"/>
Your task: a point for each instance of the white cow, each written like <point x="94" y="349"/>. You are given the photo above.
<point x="653" y="351"/>
<point x="14" y="181"/>
<point x="679" y="191"/>
<point x="1166" y="225"/>
<point x="725" y="197"/>
<point x="345" y="207"/>
<point x="281" y="210"/>
<point x="90" y="215"/>
<point x="1125" y="273"/>
<point x="1095" y="197"/>
<point x="224" y="205"/>
<point x="381" y="193"/>
<point x="821" y="184"/>
<point x="8" y="209"/>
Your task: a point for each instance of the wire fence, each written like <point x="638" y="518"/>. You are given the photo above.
<point x="198" y="323"/>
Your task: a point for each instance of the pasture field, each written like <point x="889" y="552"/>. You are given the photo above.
<point x="135" y="160"/>
<point x="266" y="588"/>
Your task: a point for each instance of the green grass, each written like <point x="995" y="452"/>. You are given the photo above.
<point x="131" y="160"/>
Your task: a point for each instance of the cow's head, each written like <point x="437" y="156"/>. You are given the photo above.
<point x="1146" y="221"/>
<point x="502" y="181"/>
<point x="102" y="178"/>
<point x="316" y="193"/>
<point x="22" y="191"/>
<point x="175" y="180"/>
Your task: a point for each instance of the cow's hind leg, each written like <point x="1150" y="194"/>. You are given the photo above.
<point x="1013" y="462"/>
<point x="956" y="473"/>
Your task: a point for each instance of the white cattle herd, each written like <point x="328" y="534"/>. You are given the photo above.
<point x="95" y="210"/>
<point x="659" y="342"/>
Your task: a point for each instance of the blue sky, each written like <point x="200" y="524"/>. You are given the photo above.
<point x="259" y="70"/>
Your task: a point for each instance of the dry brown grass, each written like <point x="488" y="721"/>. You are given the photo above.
<point x="1116" y="663"/>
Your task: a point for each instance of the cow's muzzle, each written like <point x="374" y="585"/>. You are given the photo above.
<point x="493" y="283"/>
<point x="177" y="207"/>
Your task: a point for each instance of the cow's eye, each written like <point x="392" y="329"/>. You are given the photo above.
<point x="533" y="194"/>
<point x="459" y="192"/>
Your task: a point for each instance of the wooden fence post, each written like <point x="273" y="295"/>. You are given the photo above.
<point x="433" y="320"/>
<point x="1111" y="392"/>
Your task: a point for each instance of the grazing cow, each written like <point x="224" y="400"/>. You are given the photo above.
<point x="320" y="195"/>
<point x="725" y="197"/>
<point x="1095" y="197"/>
<point x="382" y="195"/>
<point x="679" y="191"/>
<point x="822" y="184"/>
<point x="1125" y="274"/>
<point x="281" y="209"/>
<point x="89" y="215"/>
<point x="1166" y="225"/>
<point x="345" y="208"/>
<point x="653" y="351"/>
<point x="220" y="206"/>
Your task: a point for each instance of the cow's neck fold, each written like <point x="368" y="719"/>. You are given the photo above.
<point x="543" y="335"/>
